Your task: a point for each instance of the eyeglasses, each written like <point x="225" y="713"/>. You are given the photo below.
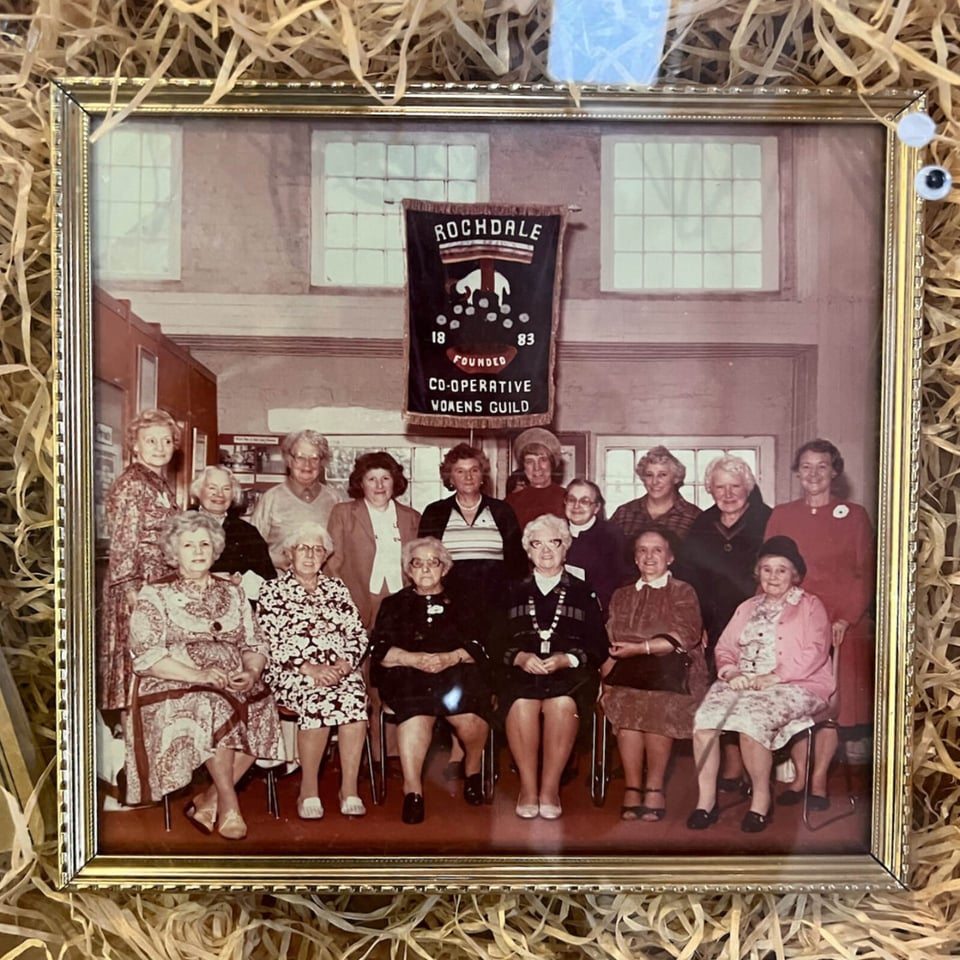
<point x="537" y="544"/>
<point x="310" y="548"/>
<point x="579" y="501"/>
<point x="429" y="564"/>
<point x="306" y="461"/>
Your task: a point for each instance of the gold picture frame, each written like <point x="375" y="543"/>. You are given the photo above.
<point x="837" y="163"/>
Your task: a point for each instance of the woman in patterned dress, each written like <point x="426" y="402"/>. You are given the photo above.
<point x="136" y="507"/>
<point x="198" y="698"/>
<point x="773" y="674"/>
<point x="317" y="643"/>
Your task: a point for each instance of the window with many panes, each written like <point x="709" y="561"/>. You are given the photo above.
<point x="690" y="213"/>
<point x="136" y="200"/>
<point x="359" y="183"/>
<point x="419" y="456"/>
<point x="617" y="459"/>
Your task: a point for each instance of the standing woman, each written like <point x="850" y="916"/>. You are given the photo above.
<point x="302" y="497"/>
<point x="662" y="474"/>
<point x="137" y="505"/>
<point x="369" y="533"/>
<point x="245" y="553"/>
<point x="479" y="531"/>
<point x="836" y="540"/>
<point x="316" y="644"/>
<point x="596" y="553"/>
<point x="539" y="453"/>
<point x="717" y="559"/>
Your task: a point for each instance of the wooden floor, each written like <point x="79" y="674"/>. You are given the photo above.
<point x="452" y="827"/>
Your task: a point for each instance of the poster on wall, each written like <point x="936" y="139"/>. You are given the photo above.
<point x="483" y="284"/>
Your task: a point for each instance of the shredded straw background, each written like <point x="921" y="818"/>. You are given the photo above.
<point x="841" y="43"/>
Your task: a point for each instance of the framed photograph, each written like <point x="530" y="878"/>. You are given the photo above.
<point x="739" y="277"/>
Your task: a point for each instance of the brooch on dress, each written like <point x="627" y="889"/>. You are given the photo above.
<point x="840" y="510"/>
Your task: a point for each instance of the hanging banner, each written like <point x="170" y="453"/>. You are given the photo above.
<point x="483" y="291"/>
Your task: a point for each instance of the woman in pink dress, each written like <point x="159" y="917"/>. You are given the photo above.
<point x="138" y="503"/>
<point x="836" y="540"/>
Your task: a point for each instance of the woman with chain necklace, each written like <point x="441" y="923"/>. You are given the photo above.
<point x="549" y="648"/>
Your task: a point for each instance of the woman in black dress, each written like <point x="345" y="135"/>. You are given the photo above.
<point x="549" y="648"/>
<point x="428" y="664"/>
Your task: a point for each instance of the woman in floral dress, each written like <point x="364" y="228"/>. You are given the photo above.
<point x="317" y="643"/>
<point x="198" y="698"/>
<point x="773" y="674"/>
<point x="137" y="505"/>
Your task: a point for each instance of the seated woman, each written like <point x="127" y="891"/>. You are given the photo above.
<point x="658" y="617"/>
<point x="198" y="659"/>
<point x="549" y="646"/>
<point x="428" y="664"/>
<point x="773" y="673"/>
<point x="316" y="645"/>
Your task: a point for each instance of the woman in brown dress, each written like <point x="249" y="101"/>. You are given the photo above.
<point x="137" y="505"/>
<point x="657" y="616"/>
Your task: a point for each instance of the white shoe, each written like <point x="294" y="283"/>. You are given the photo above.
<point x="352" y="807"/>
<point x="310" y="808"/>
<point x="551" y="811"/>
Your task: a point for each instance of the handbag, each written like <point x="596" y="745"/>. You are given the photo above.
<point x="669" y="672"/>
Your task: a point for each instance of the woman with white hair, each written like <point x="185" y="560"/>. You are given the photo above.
<point x="317" y="643"/>
<point x="428" y="663"/>
<point x="218" y="494"/>
<point x="198" y="659"/>
<point x="717" y="559"/>
<point x="549" y="646"/>
<point x="303" y="497"/>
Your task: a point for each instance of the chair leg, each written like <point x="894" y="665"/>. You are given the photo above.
<point x="166" y="813"/>
<point x="273" y="804"/>
<point x="383" y="756"/>
<point x="487" y="771"/>
<point x="808" y="778"/>
<point x="598" y="758"/>
<point x="371" y="769"/>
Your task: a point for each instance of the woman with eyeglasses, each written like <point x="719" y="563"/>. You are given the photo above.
<point x="303" y="497"/>
<point x="596" y="553"/>
<point x="428" y="663"/>
<point x="549" y="648"/>
<point x="317" y="643"/>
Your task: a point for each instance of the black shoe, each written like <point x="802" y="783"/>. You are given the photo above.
<point x="816" y="802"/>
<point x="754" y="822"/>
<point x="473" y="789"/>
<point x="700" y="819"/>
<point x="412" y="808"/>
<point x="790" y="798"/>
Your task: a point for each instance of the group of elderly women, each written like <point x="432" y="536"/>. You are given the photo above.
<point x="480" y="611"/>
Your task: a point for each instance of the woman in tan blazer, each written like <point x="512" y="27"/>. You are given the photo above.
<point x="368" y="534"/>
